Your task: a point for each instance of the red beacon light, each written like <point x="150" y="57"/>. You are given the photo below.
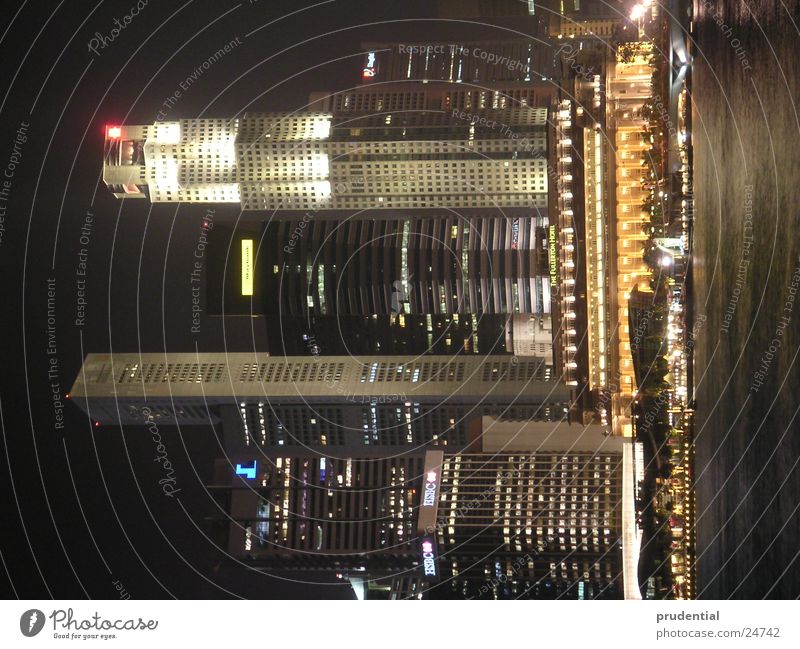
<point x="114" y="132"/>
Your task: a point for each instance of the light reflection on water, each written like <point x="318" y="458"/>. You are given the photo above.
<point x="747" y="170"/>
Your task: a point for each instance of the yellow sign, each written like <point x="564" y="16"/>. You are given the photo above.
<point x="553" y="257"/>
<point x="247" y="266"/>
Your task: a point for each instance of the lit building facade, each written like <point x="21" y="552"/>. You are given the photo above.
<point x="443" y="265"/>
<point x="597" y="204"/>
<point x="366" y="285"/>
<point x="588" y="29"/>
<point x="470" y="62"/>
<point x="436" y="96"/>
<point x="392" y="403"/>
<point x="628" y="84"/>
<point x="541" y="523"/>
<point x="323" y="161"/>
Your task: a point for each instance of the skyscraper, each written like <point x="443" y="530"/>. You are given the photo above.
<point x="415" y="95"/>
<point x="394" y="403"/>
<point x="413" y="265"/>
<point x="540" y="523"/>
<point x="490" y="159"/>
<point x="479" y="63"/>
<point x="393" y="285"/>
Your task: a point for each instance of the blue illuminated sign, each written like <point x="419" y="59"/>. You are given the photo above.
<point x="248" y="472"/>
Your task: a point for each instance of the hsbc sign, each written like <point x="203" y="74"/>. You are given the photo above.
<point x="429" y="557"/>
<point x="428" y="504"/>
<point x="429" y="494"/>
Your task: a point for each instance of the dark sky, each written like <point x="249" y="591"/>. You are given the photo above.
<point x="83" y="508"/>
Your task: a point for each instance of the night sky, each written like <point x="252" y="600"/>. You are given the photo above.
<point x="84" y="508"/>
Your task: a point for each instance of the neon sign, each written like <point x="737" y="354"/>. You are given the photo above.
<point x="248" y="472"/>
<point x="428" y="558"/>
<point x="553" y="257"/>
<point x="369" y="68"/>
<point x="247" y="266"/>
<point x="429" y="497"/>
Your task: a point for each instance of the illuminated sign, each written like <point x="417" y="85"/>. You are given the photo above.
<point x="247" y="266"/>
<point x="553" y="257"/>
<point x="248" y="472"/>
<point x="428" y="546"/>
<point x="369" y="68"/>
<point x="514" y="234"/>
<point x="429" y="501"/>
<point x="429" y="496"/>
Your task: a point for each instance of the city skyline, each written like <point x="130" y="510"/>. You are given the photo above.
<point x="431" y="300"/>
<point x="385" y="149"/>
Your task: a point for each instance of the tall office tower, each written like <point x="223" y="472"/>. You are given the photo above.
<point x="540" y="523"/>
<point x="305" y="512"/>
<point x="435" y="95"/>
<point x="414" y="265"/>
<point x="340" y="403"/>
<point x="470" y="62"/>
<point x="403" y="285"/>
<point x="447" y="283"/>
<point x="322" y="161"/>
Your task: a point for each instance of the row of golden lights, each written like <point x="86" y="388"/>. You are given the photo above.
<point x="566" y="233"/>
